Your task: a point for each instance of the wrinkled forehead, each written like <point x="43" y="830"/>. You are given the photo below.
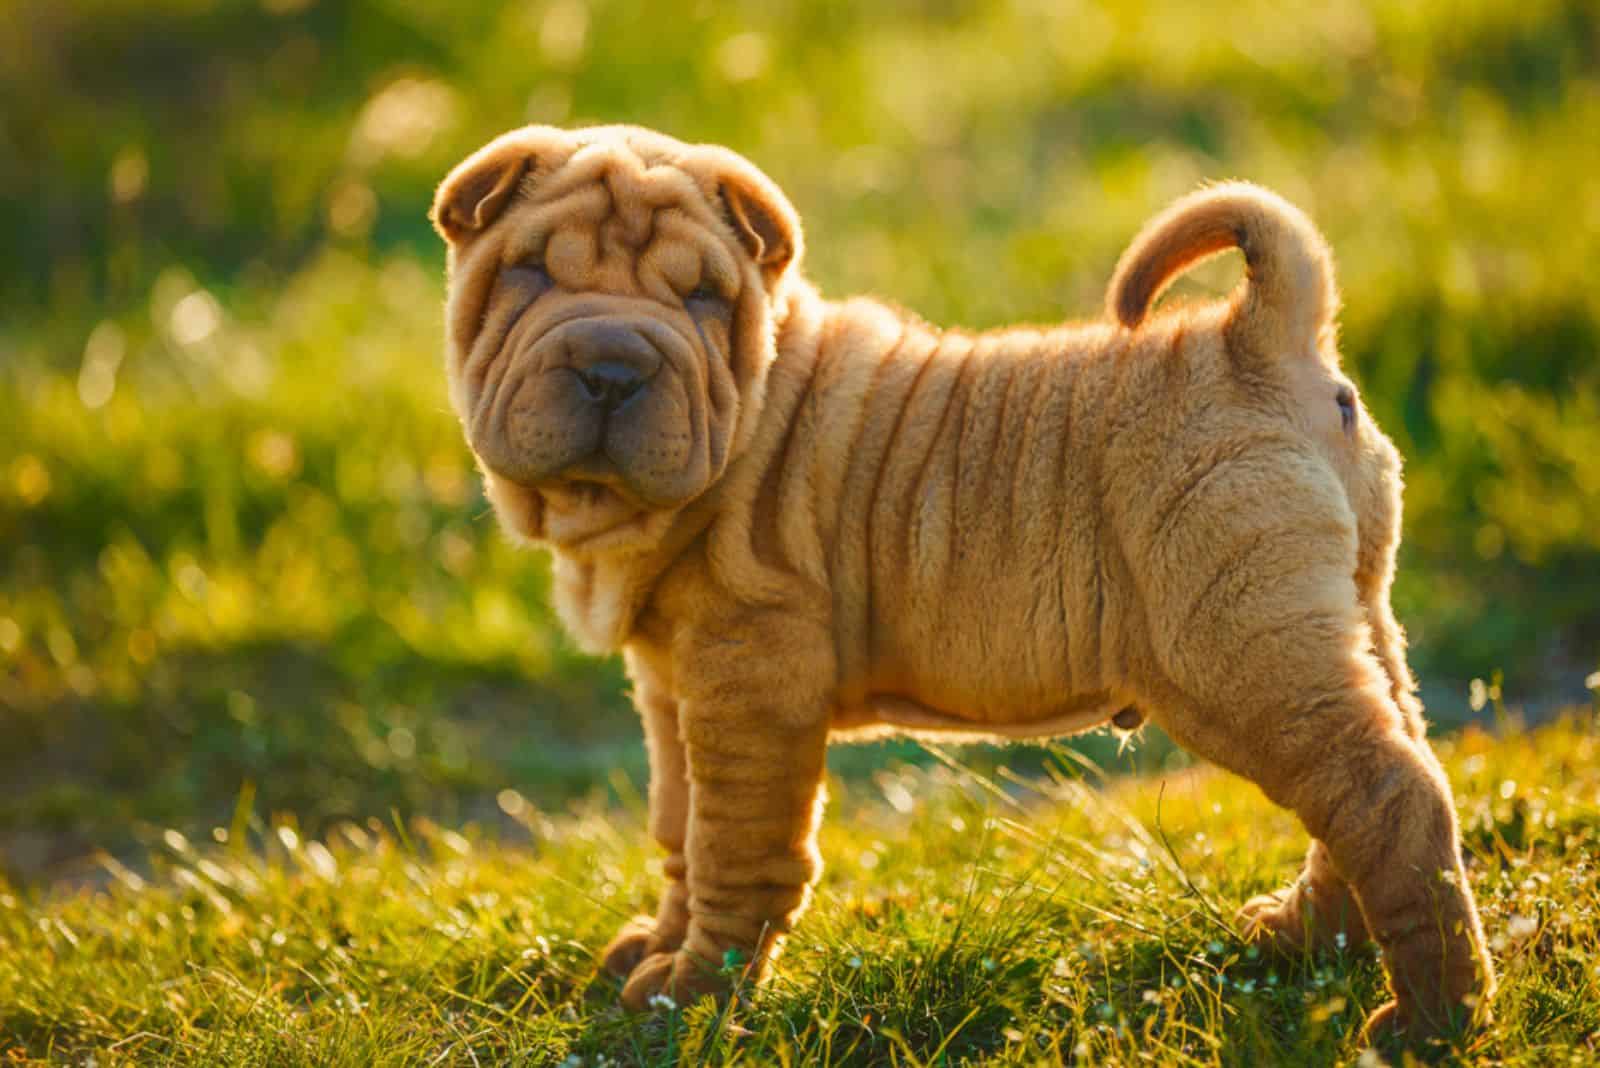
<point x="623" y="218"/>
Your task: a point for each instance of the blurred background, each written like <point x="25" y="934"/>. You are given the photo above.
<point x="246" y="570"/>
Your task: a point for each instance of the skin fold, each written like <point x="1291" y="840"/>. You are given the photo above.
<point x="802" y="520"/>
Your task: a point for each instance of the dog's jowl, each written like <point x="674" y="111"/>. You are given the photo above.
<point x="801" y="519"/>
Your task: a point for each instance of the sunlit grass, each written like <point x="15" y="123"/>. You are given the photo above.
<point x="963" y="918"/>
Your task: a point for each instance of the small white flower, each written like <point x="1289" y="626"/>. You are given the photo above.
<point x="662" y="1003"/>
<point x="854" y="962"/>
<point x="1340" y="939"/>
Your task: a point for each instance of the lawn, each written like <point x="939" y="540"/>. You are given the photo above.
<point x="964" y="918"/>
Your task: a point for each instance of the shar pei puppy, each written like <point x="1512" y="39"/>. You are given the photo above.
<point x="801" y="519"/>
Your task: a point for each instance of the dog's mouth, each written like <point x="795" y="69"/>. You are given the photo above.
<point x="582" y="510"/>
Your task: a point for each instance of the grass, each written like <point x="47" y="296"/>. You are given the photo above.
<point x="963" y="919"/>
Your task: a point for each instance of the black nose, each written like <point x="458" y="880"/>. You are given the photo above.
<point x="609" y="382"/>
<point x="612" y="360"/>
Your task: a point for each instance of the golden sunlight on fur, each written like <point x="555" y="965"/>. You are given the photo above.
<point x="801" y="519"/>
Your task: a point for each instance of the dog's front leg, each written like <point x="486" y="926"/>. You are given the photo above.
<point x="754" y="717"/>
<point x="643" y="936"/>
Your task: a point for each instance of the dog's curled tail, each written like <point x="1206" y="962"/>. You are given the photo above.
<point x="1288" y="294"/>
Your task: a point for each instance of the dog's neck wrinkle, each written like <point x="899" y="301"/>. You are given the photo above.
<point x="784" y="500"/>
<point x="747" y="544"/>
<point x="600" y="597"/>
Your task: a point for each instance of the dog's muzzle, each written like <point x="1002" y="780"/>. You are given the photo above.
<point x="613" y="362"/>
<point x="586" y="401"/>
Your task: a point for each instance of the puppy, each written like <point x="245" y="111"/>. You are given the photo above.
<point x="802" y="520"/>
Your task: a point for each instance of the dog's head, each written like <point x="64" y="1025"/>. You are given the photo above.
<point x="613" y="298"/>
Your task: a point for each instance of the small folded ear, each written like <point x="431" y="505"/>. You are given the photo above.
<point x="765" y="221"/>
<point x="474" y="194"/>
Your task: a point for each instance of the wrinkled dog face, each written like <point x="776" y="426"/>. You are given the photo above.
<point x="612" y="294"/>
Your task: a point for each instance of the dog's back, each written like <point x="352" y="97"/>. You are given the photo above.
<point x="1015" y="528"/>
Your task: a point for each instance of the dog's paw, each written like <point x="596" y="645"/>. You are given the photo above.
<point x="641" y="937"/>
<point x="1391" y="1029"/>
<point x="1394" y="1028"/>
<point x="631" y="945"/>
<point x="672" y="980"/>
<point x="1281" y="923"/>
<point x="1272" y="922"/>
<point x="1385" y="1027"/>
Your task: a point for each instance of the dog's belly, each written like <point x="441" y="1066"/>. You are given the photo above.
<point x="989" y="585"/>
<point x="997" y="626"/>
<point x="900" y="713"/>
<point x="973" y="587"/>
<point x="992" y="654"/>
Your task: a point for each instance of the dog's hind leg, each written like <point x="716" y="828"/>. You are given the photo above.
<point x="1320" y="906"/>
<point x="1284" y="691"/>
<point x="1319" y="910"/>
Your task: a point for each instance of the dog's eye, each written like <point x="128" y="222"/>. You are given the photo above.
<point x="705" y="293"/>
<point x="1346" y="399"/>
<point x="530" y="274"/>
<point x="536" y="272"/>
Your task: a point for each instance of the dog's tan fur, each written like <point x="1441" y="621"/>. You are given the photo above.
<point x="822" y="519"/>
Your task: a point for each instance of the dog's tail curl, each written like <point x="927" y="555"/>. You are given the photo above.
<point x="1288" y="295"/>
